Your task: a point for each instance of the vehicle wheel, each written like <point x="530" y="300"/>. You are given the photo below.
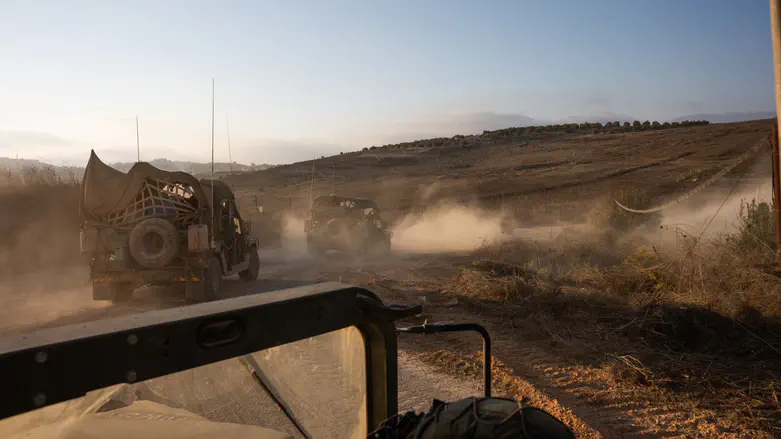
<point x="154" y="242"/>
<point x="212" y="281"/>
<point x="251" y="273"/>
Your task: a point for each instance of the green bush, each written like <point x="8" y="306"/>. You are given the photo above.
<point x="756" y="224"/>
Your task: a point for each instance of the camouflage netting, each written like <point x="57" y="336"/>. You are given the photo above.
<point x="112" y="197"/>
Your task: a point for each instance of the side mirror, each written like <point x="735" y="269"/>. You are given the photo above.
<point x="246" y="227"/>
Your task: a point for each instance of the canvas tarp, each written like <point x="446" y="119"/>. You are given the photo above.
<point x="105" y="190"/>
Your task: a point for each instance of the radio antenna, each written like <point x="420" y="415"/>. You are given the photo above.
<point x="138" y="143"/>
<point x="214" y="208"/>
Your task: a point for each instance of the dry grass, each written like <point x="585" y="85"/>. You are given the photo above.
<point x="37" y="176"/>
<point x="698" y="326"/>
<point x="39" y="223"/>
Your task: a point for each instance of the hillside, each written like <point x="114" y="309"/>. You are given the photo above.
<point x="22" y="167"/>
<point x="548" y="174"/>
<point x="195" y="168"/>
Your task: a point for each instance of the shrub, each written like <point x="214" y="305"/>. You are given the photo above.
<point x="756" y="224"/>
<point x="666" y="125"/>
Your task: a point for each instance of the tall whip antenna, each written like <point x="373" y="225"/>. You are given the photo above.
<point x="138" y="143"/>
<point x="212" y="177"/>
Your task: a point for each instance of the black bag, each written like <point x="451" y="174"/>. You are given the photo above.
<point x="476" y="418"/>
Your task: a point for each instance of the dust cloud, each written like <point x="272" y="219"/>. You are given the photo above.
<point x="447" y="229"/>
<point x="293" y="245"/>
<point x="707" y="216"/>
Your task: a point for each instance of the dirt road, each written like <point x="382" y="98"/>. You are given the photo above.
<point x="315" y="378"/>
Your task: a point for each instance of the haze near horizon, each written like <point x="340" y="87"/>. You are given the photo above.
<point x="297" y="79"/>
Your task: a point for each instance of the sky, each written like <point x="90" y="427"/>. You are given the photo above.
<point x="297" y="78"/>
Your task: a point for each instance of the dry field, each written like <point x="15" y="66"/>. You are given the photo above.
<point x="623" y="325"/>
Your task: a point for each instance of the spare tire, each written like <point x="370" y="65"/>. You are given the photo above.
<point x="154" y="242"/>
<point x="335" y="226"/>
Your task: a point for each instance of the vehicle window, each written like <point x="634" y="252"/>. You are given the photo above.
<point x="321" y="381"/>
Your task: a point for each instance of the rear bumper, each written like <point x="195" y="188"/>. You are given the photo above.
<point x="106" y="285"/>
<point x="143" y="277"/>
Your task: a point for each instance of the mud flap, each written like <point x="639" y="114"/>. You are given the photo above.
<point x="195" y="291"/>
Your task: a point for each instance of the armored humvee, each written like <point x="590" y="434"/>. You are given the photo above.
<point x="153" y="227"/>
<point x="349" y="225"/>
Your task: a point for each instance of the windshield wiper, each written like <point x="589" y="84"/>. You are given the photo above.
<point x="254" y="369"/>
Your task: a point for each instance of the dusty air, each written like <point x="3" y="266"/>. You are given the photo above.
<point x="390" y="221"/>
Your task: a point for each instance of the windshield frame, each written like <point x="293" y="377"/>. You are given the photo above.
<point x="47" y="366"/>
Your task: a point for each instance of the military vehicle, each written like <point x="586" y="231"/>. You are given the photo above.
<point x="318" y="361"/>
<point x="154" y="227"/>
<point x="348" y="225"/>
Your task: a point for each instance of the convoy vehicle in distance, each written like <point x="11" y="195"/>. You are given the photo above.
<point x="351" y="226"/>
<point x="154" y="227"/>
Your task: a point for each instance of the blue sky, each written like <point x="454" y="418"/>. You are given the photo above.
<point x="301" y="77"/>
